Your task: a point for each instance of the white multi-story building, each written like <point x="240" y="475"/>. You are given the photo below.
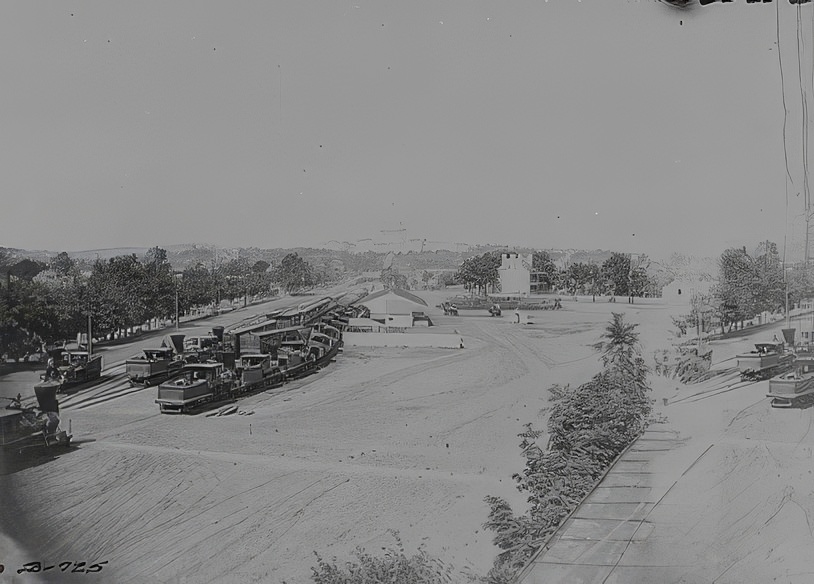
<point x="515" y="274"/>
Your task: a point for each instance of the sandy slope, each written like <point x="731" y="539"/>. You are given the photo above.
<point x="383" y="439"/>
<point x="410" y="440"/>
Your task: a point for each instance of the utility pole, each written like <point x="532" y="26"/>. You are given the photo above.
<point x="90" y="334"/>
<point x="786" y="278"/>
<point x="175" y="277"/>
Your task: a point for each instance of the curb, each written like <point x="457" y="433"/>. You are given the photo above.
<point x="524" y="571"/>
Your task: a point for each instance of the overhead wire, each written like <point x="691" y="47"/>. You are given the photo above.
<point x="804" y="130"/>
<point x="787" y="178"/>
<point x="804" y="111"/>
<point x="783" y="90"/>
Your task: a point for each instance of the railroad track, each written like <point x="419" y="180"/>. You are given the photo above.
<point x="734" y="386"/>
<point x="114" y="386"/>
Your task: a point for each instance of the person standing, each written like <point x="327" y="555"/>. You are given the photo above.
<point x="50" y="369"/>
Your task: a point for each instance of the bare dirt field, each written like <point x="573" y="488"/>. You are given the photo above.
<point x="383" y="439"/>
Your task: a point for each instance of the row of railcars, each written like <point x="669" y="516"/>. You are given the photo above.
<point x="70" y="370"/>
<point x="258" y="355"/>
<point x="790" y="372"/>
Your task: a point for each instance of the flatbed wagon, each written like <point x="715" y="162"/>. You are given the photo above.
<point x="767" y="360"/>
<point x="152" y="366"/>
<point x="794" y="389"/>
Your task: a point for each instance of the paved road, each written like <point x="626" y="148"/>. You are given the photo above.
<point x="720" y="492"/>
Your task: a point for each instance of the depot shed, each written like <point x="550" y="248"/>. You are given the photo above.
<point x="394" y="306"/>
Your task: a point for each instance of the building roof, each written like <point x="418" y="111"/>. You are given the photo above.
<point x="253" y="327"/>
<point x="398" y="292"/>
<point x="282" y="331"/>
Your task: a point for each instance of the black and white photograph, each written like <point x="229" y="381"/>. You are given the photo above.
<point x="406" y="292"/>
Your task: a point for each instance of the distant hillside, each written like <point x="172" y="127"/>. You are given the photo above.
<point x="182" y="256"/>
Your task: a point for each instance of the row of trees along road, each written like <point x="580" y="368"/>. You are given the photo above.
<point x="621" y="274"/>
<point x="44" y="303"/>
<point x="751" y="284"/>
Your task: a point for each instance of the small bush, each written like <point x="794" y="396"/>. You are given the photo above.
<point x="393" y="567"/>
<point x="685" y="363"/>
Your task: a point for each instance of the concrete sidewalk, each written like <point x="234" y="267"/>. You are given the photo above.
<point x="608" y="538"/>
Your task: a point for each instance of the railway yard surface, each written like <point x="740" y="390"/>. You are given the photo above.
<point x="412" y="440"/>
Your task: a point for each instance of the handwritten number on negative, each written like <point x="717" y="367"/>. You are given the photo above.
<point x="78" y="567"/>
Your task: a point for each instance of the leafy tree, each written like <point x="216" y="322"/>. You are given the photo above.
<point x="294" y="273"/>
<point x="260" y="278"/>
<point x="800" y="283"/>
<point x="260" y="267"/>
<point x="640" y="281"/>
<point x="582" y="278"/>
<point x="622" y="356"/>
<point x="448" y="279"/>
<point x="477" y="273"/>
<point x="117" y="295"/>
<point x="749" y="285"/>
<point x="26" y="317"/>
<point x="235" y="278"/>
<point x="772" y="287"/>
<point x="392" y="278"/>
<point x="734" y="290"/>
<point x="69" y="296"/>
<point x="541" y="262"/>
<point x="616" y="273"/>
<point x="157" y="258"/>
<point x="33" y="310"/>
<point x="197" y="287"/>
<point x="5" y="258"/>
<point x="158" y="284"/>
<point x="63" y="265"/>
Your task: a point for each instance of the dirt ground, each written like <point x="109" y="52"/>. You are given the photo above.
<point x="383" y="439"/>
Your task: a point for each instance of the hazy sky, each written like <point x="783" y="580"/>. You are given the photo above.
<point x="286" y="123"/>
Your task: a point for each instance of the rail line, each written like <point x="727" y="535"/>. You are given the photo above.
<point x="708" y="394"/>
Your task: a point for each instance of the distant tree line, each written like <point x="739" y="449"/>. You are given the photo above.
<point x="43" y="303"/>
<point x="620" y="275"/>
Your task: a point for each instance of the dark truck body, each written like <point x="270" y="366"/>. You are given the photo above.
<point x="152" y="366"/>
